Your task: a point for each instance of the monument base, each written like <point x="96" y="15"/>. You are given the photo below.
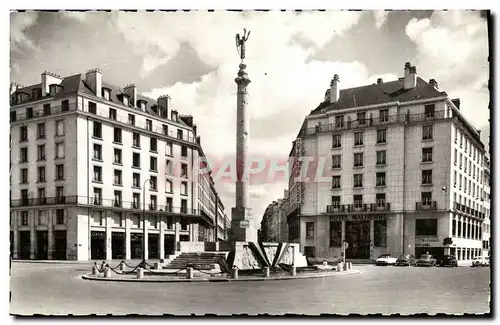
<point x="242" y="228"/>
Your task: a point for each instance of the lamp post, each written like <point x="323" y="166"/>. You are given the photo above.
<point x="143" y="263"/>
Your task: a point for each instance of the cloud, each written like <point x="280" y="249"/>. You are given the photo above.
<point x="380" y="17"/>
<point x="19" y="23"/>
<point x="453" y="46"/>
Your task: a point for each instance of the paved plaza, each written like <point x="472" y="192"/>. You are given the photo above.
<point x="43" y="288"/>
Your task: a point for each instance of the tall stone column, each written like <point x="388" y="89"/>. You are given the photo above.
<point x="177" y="237"/>
<point x="50" y="233"/>
<point x="32" y="223"/>
<point x="128" y="222"/>
<point x="242" y="228"/>
<point x="108" y="236"/>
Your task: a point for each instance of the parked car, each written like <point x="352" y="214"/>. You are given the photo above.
<point x="487" y="258"/>
<point x="386" y="259"/>
<point x="405" y="260"/>
<point x="426" y="260"/>
<point x="448" y="260"/>
<point x="479" y="261"/>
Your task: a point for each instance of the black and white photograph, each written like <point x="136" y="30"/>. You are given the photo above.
<point x="250" y="162"/>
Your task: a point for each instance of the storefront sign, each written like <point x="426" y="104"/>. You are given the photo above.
<point x="98" y="234"/>
<point x="427" y="241"/>
<point x="245" y="224"/>
<point x="359" y="217"/>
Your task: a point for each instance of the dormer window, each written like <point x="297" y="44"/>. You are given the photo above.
<point x="106" y="93"/>
<point x="21" y="97"/>
<point x="35" y="94"/>
<point x="154" y="108"/>
<point x="174" y="116"/>
<point x="53" y="90"/>
<point x="125" y="100"/>
<point x="141" y="103"/>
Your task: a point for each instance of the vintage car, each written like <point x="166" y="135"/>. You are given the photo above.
<point x="386" y="259"/>
<point x="447" y="260"/>
<point x="426" y="260"/>
<point x="479" y="261"/>
<point x="405" y="260"/>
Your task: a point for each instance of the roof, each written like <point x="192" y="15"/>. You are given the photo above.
<point x="380" y="93"/>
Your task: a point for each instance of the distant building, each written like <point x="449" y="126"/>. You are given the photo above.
<point x="407" y="173"/>
<point x="271" y="223"/>
<point x="487" y="201"/>
<point x="87" y="157"/>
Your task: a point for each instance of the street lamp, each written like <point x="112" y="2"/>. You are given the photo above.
<point x="144" y="222"/>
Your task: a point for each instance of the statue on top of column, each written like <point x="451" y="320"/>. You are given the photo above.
<point x="240" y="43"/>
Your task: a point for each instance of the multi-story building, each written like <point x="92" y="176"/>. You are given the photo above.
<point x="270" y="224"/>
<point x="405" y="173"/>
<point x="88" y="160"/>
<point x="486" y="223"/>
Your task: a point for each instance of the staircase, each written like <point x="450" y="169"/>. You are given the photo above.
<point x="201" y="261"/>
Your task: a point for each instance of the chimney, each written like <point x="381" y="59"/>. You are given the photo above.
<point x="174" y="116"/>
<point x="13" y="87"/>
<point x="380" y="80"/>
<point x="93" y="78"/>
<point x="334" y="89"/>
<point x="188" y="119"/>
<point x="49" y="78"/>
<point x="195" y="128"/>
<point x="327" y="95"/>
<point x="164" y="102"/>
<point x="407" y="69"/>
<point x="131" y="91"/>
<point x="456" y="102"/>
<point x="433" y="83"/>
<point x="411" y="79"/>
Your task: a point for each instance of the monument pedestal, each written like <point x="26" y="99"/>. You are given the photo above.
<point x="242" y="228"/>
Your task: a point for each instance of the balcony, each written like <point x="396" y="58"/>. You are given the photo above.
<point x="54" y="110"/>
<point x="351" y="208"/>
<point x="468" y="211"/>
<point x="426" y="205"/>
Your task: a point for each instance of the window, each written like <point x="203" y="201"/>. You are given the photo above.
<point x="460" y="160"/>
<point x="429" y="110"/>
<point x="46" y="109"/>
<point x="13" y="116"/>
<point x="136" y="160"/>
<point x="184" y="188"/>
<point x="41" y="152"/>
<point x="460" y="183"/>
<point x="149" y="125"/>
<point x="97" y="152"/>
<point x="339" y="121"/>
<point x="98" y="174"/>
<point x="336" y="201"/>
<point x="97" y="196"/>
<point x="179" y="134"/>
<point x="310" y="251"/>
<point x="165" y="129"/>
<point x="92" y="108"/>
<point x="112" y="114"/>
<point x="465" y="164"/>
<point x="97" y="130"/>
<point x="455" y="178"/>
<point x="169" y="149"/>
<point x="59" y="172"/>
<point x="23" y="133"/>
<point x="456" y="134"/>
<point x="24" y="197"/>
<point x="131" y="119"/>
<point x="59" y="150"/>
<point x="168" y="186"/>
<point x="24" y="154"/>
<point x="24" y="218"/>
<point x="136" y="200"/>
<point x="153" y="164"/>
<point x="118" y="199"/>
<point x="40" y="130"/>
<point x="426" y="154"/>
<point x="309" y="229"/>
<point x="455" y="157"/>
<point x="117" y="177"/>
<point x="383" y="115"/>
<point x="380" y="233"/>
<point x="153" y="183"/>
<point x="184" y="171"/>
<point x="358" y="200"/>
<point x="336" y="161"/>
<point x="361" y="118"/>
<point x="426" y="176"/>
<point x="382" y="136"/>
<point x="60" y="128"/>
<point x="184" y="206"/>
<point x="335" y="233"/>
<point x="426" y="227"/>
<point x="136" y="140"/>
<point x="29" y="112"/>
<point x="153" y="144"/>
<point x="380" y="199"/>
<point x="337" y="141"/>
<point x="184" y="151"/>
<point x="335" y="181"/>
<point x="381" y="157"/>
<point x="358" y="180"/>
<point x="117" y="156"/>
<point x="427" y="132"/>
<point x="169" y="205"/>
<point x="358" y="159"/>
<point x="426" y="198"/>
<point x="380" y="179"/>
<point x="24" y="175"/>
<point x="41" y="174"/>
<point x="358" y="138"/>
<point x="117" y="135"/>
<point x="136" y="180"/>
<point x="169" y="167"/>
<point x="454" y="227"/>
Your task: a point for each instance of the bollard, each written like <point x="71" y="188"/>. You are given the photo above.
<point x="94" y="270"/>
<point x="234" y="273"/>
<point x="122" y="266"/>
<point x="189" y="273"/>
<point x="293" y="271"/>
<point x="344" y="266"/>
<point x="350" y="265"/>
<point x="140" y="273"/>
<point x="340" y="266"/>
<point x="157" y="266"/>
<point x="266" y="272"/>
<point x="325" y="263"/>
<point x="107" y="272"/>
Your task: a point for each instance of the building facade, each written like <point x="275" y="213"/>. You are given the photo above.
<point x="404" y="173"/>
<point x="88" y="160"/>
<point x="270" y="224"/>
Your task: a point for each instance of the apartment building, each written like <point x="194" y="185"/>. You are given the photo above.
<point x="88" y="160"/>
<point x="405" y="173"/>
<point x="486" y="246"/>
<point x="270" y="224"/>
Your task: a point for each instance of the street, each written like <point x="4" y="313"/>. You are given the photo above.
<point x="39" y="288"/>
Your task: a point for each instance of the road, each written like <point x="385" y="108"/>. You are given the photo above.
<point x="58" y="289"/>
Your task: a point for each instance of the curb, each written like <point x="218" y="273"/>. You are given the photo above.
<point x="89" y="277"/>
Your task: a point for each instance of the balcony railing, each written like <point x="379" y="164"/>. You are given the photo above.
<point x="351" y="208"/>
<point x="467" y="210"/>
<point x="54" y="110"/>
<point x="426" y="205"/>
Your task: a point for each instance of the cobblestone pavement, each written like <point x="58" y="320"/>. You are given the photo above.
<point x="59" y="289"/>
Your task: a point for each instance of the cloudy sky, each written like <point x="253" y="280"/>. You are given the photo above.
<point x="291" y="58"/>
